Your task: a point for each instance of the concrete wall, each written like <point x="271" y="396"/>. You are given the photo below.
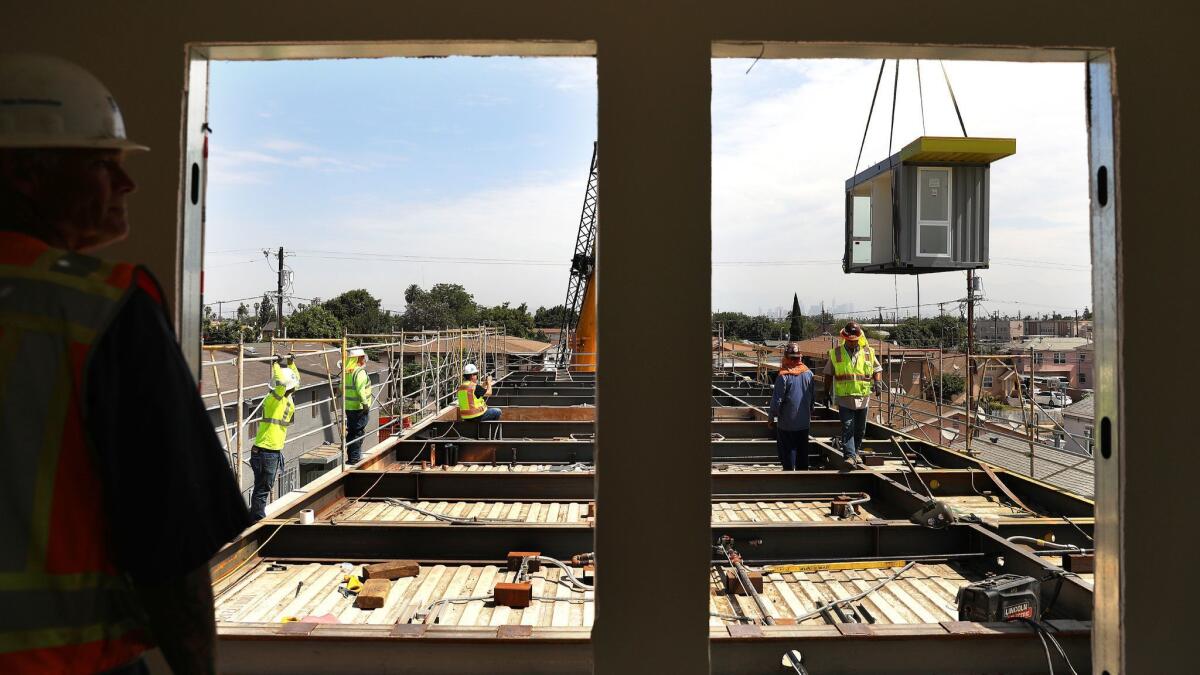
<point x="654" y="133"/>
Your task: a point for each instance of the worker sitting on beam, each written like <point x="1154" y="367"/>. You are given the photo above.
<point x="278" y="409"/>
<point x="472" y="396"/>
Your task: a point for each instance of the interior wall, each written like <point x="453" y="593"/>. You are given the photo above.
<point x="654" y="131"/>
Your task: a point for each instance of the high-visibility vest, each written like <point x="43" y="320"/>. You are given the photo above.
<point x="358" y="389"/>
<point x="469" y="407"/>
<point x="852" y="375"/>
<point x="66" y="607"/>
<point x="278" y="410"/>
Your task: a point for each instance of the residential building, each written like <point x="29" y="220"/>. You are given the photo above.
<point x="1078" y="420"/>
<point x="999" y="329"/>
<point x="1053" y="357"/>
<point x="1067" y="327"/>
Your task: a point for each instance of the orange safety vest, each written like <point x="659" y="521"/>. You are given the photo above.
<point x="67" y="609"/>
<point x="469" y="407"/>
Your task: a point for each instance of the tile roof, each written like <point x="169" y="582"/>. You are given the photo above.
<point x="1082" y="408"/>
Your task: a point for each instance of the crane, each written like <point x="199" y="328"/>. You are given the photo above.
<point x="577" y="340"/>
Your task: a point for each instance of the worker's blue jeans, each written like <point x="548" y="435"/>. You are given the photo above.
<point x="491" y="415"/>
<point x="793" y="449"/>
<point x="356" y="428"/>
<point x="265" y="464"/>
<point x="854" y="427"/>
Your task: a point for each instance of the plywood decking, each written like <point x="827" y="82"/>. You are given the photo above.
<point x="924" y="594"/>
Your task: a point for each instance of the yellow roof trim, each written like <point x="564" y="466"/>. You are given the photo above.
<point x="956" y="149"/>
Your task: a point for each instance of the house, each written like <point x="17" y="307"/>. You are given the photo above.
<point x="1078" y="421"/>
<point x="1053" y="357"/>
<point x="999" y="329"/>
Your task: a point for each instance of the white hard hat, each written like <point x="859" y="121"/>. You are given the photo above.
<point x="48" y="102"/>
<point x="470" y="369"/>
<point x="357" y="352"/>
<point x="284" y="377"/>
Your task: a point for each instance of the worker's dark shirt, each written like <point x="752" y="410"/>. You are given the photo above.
<point x="480" y="390"/>
<point x="170" y="495"/>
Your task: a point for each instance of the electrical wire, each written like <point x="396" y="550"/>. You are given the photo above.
<point x="854" y="598"/>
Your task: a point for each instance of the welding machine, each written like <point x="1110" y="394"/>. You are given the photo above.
<point x="1005" y="597"/>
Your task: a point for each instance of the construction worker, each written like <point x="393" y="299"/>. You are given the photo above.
<point x="278" y="408"/>
<point x="358" y="403"/>
<point x="854" y="372"/>
<point x="116" y="491"/>
<point x="472" y="396"/>
<point x="791" y="410"/>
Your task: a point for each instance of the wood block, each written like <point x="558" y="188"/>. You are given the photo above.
<point x="1079" y="563"/>
<point x="373" y="594"/>
<point x="517" y="596"/>
<point x="591" y="510"/>
<point x="392" y="569"/>
<point x="732" y="585"/>
<point x="514" y="560"/>
<point x="872" y="460"/>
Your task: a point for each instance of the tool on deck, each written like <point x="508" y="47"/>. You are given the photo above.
<point x="833" y="566"/>
<point x="792" y="658"/>
<point x="724" y="546"/>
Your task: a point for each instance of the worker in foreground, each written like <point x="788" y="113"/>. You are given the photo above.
<point x="359" y="396"/>
<point x="791" y="410"/>
<point x="115" y="491"/>
<point x="278" y="408"/>
<point x="472" y="396"/>
<point x="854" y="372"/>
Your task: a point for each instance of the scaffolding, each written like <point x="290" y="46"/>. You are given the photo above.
<point x="420" y="379"/>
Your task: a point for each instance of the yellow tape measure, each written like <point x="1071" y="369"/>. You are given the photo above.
<point x="833" y="566"/>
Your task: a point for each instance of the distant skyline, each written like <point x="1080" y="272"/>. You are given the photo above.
<point x="387" y="172"/>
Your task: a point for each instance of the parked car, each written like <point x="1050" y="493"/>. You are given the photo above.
<point x="1052" y="399"/>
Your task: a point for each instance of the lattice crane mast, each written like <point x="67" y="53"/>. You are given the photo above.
<point x="577" y="340"/>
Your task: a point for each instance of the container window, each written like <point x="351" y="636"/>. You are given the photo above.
<point x="934" y="200"/>
<point x="935" y="239"/>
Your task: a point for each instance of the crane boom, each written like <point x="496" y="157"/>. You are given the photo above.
<point x="577" y="340"/>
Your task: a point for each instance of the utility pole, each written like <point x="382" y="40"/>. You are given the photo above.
<point x="970" y="344"/>
<point x="279" y="298"/>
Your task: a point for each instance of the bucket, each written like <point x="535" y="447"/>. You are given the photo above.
<point x="385" y="430"/>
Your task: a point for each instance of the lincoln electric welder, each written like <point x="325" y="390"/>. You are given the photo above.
<point x="1005" y="597"/>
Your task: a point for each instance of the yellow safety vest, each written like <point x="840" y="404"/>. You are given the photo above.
<point x="277" y="412"/>
<point x="469" y="407"/>
<point x="852" y="375"/>
<point x="358" y="390"/>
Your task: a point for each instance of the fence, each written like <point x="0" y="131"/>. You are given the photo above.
<point x="421" y="377"/>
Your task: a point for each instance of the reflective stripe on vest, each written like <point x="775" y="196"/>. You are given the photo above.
<point x="469" y="407"/>
<point x="277" y="413"/>
<point x="67" y="609"/>
<point x="358" y="391"/>
<point x="852" y="375"/>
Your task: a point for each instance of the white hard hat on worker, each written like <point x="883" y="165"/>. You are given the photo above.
<point x="48" y="102"/>
<point x="470" y="369"/>
<point x="62" y="151"/>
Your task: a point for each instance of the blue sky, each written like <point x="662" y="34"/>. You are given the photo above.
<point x="376" y="160"/>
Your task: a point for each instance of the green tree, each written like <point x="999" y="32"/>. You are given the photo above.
<point x="552" y="317"/>
<point x="243" y="313"/>
<point x="313" y="321"/>
<point x="517" y="321"/>
<point x="358" y="311"/>
<point x="442" y="306"/>
<point x="264" y="311"/>
<point x="796" y="325"/>
<point x="950" y="385"/>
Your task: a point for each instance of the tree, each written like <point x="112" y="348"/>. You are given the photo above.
<point x="1086" y="315"/>
<point x="517" y="321"/>
<point x="951" y="385"/>
<point x="947" y="332"/>
<point x="264" y="312"/>
<point x="553" y="317"/>
<point x="357" y="311"/>
<point x="243" y="312"/>
<point x="313" y="321"/>
<point x="443" y="306"/>
<point x="796" y="327"/>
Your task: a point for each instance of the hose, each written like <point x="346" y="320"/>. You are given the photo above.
<point x="473" y="520"/>
<point x="570" y="579"/>
<point x="826" y="607"/>
<point x="1032" y="541"/>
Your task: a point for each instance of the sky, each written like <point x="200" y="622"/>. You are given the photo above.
<point x="381" y="173"/>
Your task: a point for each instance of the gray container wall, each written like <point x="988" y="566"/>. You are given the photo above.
<point x="969" y="222"/>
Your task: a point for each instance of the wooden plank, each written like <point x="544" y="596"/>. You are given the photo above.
<point x="483" y="586"/>
<point x="574" y="511"/>
<point x="562" y="604"/>
<point x="392" y="569"/>
<point x="531" y="516"/>
<point x="315" y="588"/>
<point x="373" y="594"/>
<point x="420" y="599"/>
<point x="552" y="514"/>
<point x="456" y="587"/>
<point x="284" y="591"/>
<point x="394" y="603"/>
<point x="531" y="614"/>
